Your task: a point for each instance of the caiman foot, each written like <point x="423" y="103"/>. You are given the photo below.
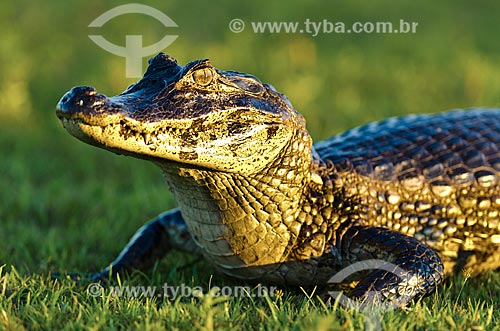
<point x="395" y="268"/>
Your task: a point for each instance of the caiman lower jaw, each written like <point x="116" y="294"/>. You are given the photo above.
<point x="164" y="143"/>
<point x="118" y="134"/>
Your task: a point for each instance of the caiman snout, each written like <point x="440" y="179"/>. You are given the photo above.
<point x="80" y="99"/>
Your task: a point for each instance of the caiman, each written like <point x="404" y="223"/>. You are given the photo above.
<point x="261" y="203"/>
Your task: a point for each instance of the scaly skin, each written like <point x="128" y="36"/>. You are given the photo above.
<point x="261" y="203"/>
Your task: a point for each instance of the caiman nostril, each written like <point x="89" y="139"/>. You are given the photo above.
<point x="65" y="98"/>
<point x="65" y="103"/>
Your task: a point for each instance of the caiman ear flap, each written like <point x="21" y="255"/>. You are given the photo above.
<point x="195" y="65"/>
<point x="204" y="63"/>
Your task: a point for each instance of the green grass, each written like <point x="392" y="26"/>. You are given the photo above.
<point x="32" y="303"/>
<point x="66" y="206"/>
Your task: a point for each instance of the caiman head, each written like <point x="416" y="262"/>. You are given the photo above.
<point x="195" y="115"/>
<point x="235" y="153"/>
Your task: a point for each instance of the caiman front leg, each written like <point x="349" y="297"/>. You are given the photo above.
<point x="398" y="267"/>
<point x="150" y="243"/>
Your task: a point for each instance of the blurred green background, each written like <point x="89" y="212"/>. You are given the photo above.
<point x="67" y="205"/>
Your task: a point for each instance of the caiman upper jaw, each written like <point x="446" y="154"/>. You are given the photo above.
<point x="80" y="99"/>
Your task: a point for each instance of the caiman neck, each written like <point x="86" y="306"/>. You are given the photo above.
<point x="246" y="220"/>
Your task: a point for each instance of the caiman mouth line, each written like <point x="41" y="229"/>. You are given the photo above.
<point x="154" y="134"/>
<point x="125" y="130"/>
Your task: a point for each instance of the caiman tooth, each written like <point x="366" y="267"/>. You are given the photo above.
<point x="147" y="138"/>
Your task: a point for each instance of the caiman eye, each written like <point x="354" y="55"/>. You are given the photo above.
<point x="203" y="76"/>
